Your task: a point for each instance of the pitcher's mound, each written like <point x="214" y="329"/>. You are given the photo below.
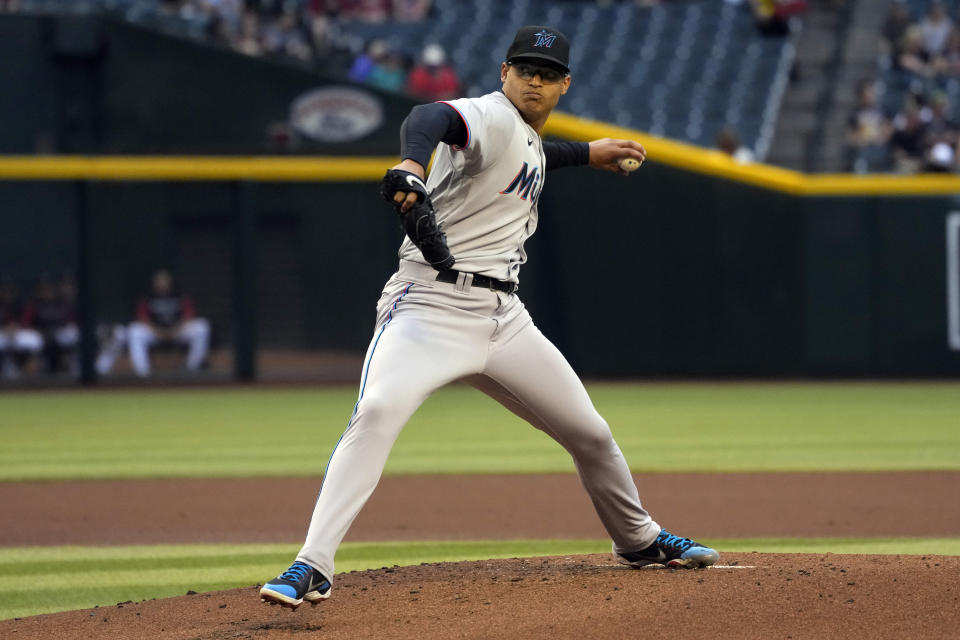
<point x="749" y="595"/>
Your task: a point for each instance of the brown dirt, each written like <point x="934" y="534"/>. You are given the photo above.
<point x="479" y="507"/>
<point x="783" y="596"/>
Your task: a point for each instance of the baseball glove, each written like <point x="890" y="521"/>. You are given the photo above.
<point x="420" y="220"/>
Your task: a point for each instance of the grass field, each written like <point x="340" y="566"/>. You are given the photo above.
<point x="660" y="427"/>
<point x="108" y="575"/>
<point x="246" y="432"/>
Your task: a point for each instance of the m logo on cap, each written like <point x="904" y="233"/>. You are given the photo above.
<point x="543" y="43"/>
<point x="544" y="39"/>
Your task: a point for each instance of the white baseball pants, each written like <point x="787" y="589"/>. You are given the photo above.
<point x="195" y="333"/>
<point x="31" y="341"/>
<point x="112" y="346"/>
<point x="429" y="334"/>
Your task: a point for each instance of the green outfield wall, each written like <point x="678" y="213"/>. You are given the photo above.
<point x="702" y="275"/>
<point x="666" y="272"/>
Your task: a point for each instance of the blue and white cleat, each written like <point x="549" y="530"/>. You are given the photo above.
<point x="298" y="583"/>
<point x="671" y="551"/>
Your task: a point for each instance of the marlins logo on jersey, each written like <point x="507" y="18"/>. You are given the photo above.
<point x="525" y="183"/>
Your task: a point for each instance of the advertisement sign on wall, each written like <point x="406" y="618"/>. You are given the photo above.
<point x="336" y="114"/>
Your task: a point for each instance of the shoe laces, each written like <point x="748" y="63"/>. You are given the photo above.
<point x="296" y="572"/>
<point x="667" y="539"/>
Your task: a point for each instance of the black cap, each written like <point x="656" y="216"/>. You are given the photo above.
<point x="540" y="43"/>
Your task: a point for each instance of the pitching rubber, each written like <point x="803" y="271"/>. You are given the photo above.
<point x="688" y="563"/>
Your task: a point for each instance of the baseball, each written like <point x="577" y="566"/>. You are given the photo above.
<point x="629" y="164"/>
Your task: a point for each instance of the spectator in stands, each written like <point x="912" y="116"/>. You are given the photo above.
<point x="948" y="62"/>
<point x="913" y="57"/>
<point x="868" y="131"/>
<point x="10" y="6"/>
<point x="167" y="316"/>
<point x="228" y="10"/>
<point x="286" y="35"/>
<point x="728" y="141"/>
<point x="940" y="158"/>
<point x="942" y="134"/>
<point x="322" y="33"/>
<point x="390" y="73"/>
<point x="411" y="10"/>
<point x="433" y="79"/>
<point x="907" y="143"/>
<point x="935" y="29"/>
<point x="247" y="40"/>
<point x="376" y="53"/>
<point x="49" y="323"/>
<point x="192" y="10"/>
<point x="895" y="27"/>
<point x="941" y="125"/>
<point x="773" y="16"/>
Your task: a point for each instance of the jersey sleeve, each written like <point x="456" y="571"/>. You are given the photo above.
<point x="428" y="125"/>
<point x="490" y="127"/>
<point x="566" y="154"/>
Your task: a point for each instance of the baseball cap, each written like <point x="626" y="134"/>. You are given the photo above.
<point x="540" y="43"/>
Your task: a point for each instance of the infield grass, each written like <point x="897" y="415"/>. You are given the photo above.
<point x="32" y="579"/>
<point x="660" y="427"/>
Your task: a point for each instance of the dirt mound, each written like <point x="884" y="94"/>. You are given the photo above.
<point x="751" y="595"/>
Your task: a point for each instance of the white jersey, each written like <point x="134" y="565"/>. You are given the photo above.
<point x="486" y="193"/>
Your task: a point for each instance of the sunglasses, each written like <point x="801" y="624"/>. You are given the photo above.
<point x="547" y="75"/>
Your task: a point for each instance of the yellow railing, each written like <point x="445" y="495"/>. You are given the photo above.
<point x="342" y="169"/>
<point x="213" y="168"/>
<point x="700" y="160"/>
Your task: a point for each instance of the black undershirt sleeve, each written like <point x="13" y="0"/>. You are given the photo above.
<point x="566" y="154"/>
<point x="427" y="126"/>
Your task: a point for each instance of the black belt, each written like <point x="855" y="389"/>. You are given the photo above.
<point x="452" y="276"/>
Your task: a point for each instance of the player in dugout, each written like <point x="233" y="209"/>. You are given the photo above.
<point x="451" y="311"/>
<point x="167" y="316"/>
<point x="50" y="325"/>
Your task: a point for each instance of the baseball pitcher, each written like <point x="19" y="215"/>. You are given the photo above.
<point x="451" y="311"/>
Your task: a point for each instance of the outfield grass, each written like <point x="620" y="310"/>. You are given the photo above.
<point x="31" y="580"/>
<point x="660" y="427"/>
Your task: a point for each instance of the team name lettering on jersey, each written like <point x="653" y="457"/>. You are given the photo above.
<point x="524" y="183"/>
